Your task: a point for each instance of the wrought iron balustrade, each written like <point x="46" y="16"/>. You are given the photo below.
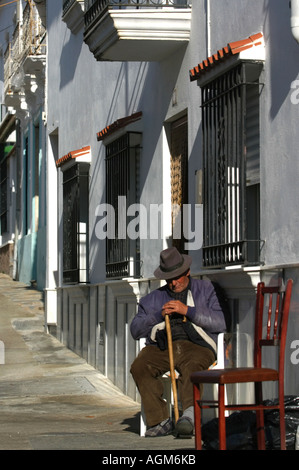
<point x="67" y="4"/>
<point x="94" y="8"/>
<point x="7" y="68"/>
<point x="33" y="34"/>
<point x="135" y="3"/>
<point x="29" y="39"/>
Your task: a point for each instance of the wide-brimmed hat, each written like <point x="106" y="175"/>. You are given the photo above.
<point x="172" y="264"/>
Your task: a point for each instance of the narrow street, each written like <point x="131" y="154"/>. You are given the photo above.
<point x="50" y="398"/>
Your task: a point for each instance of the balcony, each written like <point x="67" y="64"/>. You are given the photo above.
<point x="24" y="60"/>
<point x="73" y="14"/>
<point x="136" y="30"/>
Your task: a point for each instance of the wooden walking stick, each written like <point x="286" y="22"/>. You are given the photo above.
<point x="172" y="371"/>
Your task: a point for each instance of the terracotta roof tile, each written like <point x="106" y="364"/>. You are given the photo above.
<point x="73" y="154"/>
<point x="231" y="49"/>
<point x="118" y="124"/>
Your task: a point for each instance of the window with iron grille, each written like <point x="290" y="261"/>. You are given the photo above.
<point x="3" y="200"/>
<point x="230" y="124"/>
<point x="5" y="152"/>
<point x="75" y="223"/>
<point x="122" y="163"/>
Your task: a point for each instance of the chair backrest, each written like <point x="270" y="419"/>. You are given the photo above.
<point x="273" y="303"/>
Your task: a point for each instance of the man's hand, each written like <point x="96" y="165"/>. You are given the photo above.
<point x="174" y="306"/>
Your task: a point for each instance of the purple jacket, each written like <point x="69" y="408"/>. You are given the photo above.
<point x="204" y="311"/>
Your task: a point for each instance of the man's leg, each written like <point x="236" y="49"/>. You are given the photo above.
<point x="189" y="357"/>
<point x="146" y="369"/>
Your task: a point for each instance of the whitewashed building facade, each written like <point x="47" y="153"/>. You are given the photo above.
<point x="154" y="105"/>
<point x="23" y="190"/>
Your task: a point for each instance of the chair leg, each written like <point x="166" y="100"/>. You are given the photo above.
<point x="282" y="424"/>
<point x="260" y="425"/>
<point x="197" y="417"/>
<point x="282" y="428"/>
<point x="142" y="421"/>
<point x="221" y="420"/>
<point x="168" y="394"/>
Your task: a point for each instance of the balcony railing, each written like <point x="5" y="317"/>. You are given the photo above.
<point x="7" y="68"/>
<point x="73" y="14"/>
<point x="29" y="39"/>
<point x="136" y="30"/>
<point x="93" y="8"/>
<point x="137" y="3"/>
<point x="66" y="5"/>
<point x="33" y="31"/>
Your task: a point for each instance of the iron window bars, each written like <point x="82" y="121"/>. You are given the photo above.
<point x="122" y="163"/>
<point x="3" y="197"/>
<point x="75" y="223"/>
<point x="231" y="206"/>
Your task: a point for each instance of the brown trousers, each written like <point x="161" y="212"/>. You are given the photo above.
<point x="151" y="363"/>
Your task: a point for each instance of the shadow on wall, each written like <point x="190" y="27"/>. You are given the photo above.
<point x="69" y="59"/>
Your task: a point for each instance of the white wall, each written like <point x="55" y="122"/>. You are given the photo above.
<point x="94" y="94"/>
<point x="85" y="96"/>
<point x="231" y="20"/>
<point x="279" y="157"/>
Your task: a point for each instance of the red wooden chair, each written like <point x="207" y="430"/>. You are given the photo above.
<point x="275" y="335"/>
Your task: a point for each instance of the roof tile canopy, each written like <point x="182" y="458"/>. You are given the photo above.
<point x="73" y="154"/>
<point x="231" y="49"/>
<point x="118" y="124"/>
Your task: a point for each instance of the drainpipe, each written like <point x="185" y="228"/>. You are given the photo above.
<point x="295" y="18"/>
<point x="208" y="26"/>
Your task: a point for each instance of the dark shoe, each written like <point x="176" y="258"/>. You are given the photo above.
<point x="184" y="426"/>
<point x="161" y="429"/>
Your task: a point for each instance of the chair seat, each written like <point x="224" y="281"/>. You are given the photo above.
<point x="236" y="375"/>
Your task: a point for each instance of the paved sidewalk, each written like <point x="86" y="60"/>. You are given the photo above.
<point x="50" y="398"/>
